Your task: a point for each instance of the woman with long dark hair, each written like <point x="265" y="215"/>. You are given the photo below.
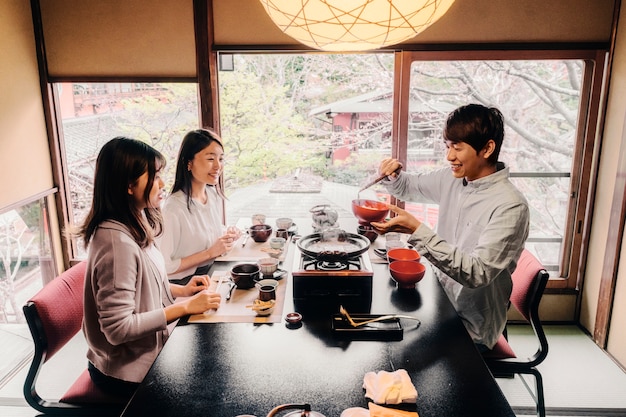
<point x="194" y="233"/>
<point x="128" y="299"/>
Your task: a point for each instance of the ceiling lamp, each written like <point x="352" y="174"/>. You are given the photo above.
<point x="354" y="25"/>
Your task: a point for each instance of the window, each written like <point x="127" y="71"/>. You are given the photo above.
<point x="539" y="101"/>
<point x="26" y="258"/>
<point x="305" y="127"/>
<point x="325" y="121"/>
<point x="303" y="130"/>
<point x="93" y="113"/>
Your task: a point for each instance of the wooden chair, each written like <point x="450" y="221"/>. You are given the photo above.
<point x="54" y="315"/>
<point x="529" y="282"/>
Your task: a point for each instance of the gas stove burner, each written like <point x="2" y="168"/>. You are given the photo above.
<point x="311" y="264"/>
<point x="331" y="266"/>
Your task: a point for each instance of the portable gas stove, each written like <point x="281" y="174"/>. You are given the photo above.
<point x="321" y="286"/>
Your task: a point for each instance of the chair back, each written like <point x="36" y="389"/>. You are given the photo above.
<point x="529" y="283"/>
<point x="59" y="310"/>
<point x="54" y="316"/>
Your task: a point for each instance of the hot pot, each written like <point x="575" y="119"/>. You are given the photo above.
<point x="333" y="246"/>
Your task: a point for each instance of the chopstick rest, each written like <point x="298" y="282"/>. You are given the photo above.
<point x="389" y="387"/>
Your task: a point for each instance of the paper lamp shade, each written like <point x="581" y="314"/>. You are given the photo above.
<point x="354" y="25"/>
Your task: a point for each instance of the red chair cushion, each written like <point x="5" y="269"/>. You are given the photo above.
<point x="502" y="350"/>
<point x="84" y="391"/>
<point x="523" y="277"/>
<point x="60" y="307"/>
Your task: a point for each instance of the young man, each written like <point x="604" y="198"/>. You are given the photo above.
<point x="482" y="225"/>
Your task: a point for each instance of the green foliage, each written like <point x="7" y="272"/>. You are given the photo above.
<point x="265" y="105"/>
<point x="161" y="119"/>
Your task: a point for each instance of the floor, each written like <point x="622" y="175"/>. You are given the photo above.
<point x="579" y="378"/>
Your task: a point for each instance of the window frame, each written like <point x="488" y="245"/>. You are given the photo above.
<point x="588" y="136"/>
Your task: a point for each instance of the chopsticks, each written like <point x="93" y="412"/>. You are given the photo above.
<point x="379" y="179"/>
<point x="219" y="283"/>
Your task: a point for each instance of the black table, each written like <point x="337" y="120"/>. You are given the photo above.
<point x="227" y="369"/>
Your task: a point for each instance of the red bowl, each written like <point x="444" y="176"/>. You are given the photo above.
<point x="369" y="210"/>
<point x="403" y="254"/>
<point x="407" y="273"/>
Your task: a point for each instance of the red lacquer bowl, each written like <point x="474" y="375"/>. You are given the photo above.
<point x="407" y="273"/>
<point x="369" y="210"/>
<point x="403" y="254"/>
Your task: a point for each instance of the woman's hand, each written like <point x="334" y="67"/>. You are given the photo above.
<point x="223" y="245"/>
<point x="196" y="284"/>
<point x="403" y="222"/>
<point x="197" y="304"/>
<point x="203" y="301"/>
<point x="234" y="232"/>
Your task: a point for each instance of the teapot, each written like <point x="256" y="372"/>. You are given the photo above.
<point x="324" y="217"/>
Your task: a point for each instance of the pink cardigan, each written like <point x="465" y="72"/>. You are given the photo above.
<point x="125" y="293"/>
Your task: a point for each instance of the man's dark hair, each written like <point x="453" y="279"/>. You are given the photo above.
<point x="475" y="124"/>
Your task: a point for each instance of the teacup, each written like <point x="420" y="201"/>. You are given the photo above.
<point x="394" y="244"/>
<point x="267" y="289"/>
<point x="284" y="233"/>
<point x="268" y="266"/>
<point x="277" y="242"/>
<point x="258" y="219"/>
<point x="284" y="223"/>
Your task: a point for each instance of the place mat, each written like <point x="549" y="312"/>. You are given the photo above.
<point x="235" y="310"/>
<point x="253" y="251"/>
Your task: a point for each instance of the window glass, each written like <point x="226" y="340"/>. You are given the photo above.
<point x="303" y="130"/>
<point x="93" y="113"/>
<point x="26" y="258"/>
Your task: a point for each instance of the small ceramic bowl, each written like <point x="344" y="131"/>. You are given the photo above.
<point x="403" y="254"/>
<point x="284" y="223"/>
<point x="407" y="273"/>
<point x="277" y="242"/>
<point x="394" y="244"/>
<point x="293" y="319"/>
<point x="260" y="232"/>
<point x="368" y="231"/>
<point x="245" y="275"/>
<point x="268" y="266"/>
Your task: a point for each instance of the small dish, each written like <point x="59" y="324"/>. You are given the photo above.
<point x="265" y="311"/>
<point x="293" y="320"/>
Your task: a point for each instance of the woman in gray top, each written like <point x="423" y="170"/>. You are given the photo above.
<point x="128" y="299"/>
<point x="483" y="220"/>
